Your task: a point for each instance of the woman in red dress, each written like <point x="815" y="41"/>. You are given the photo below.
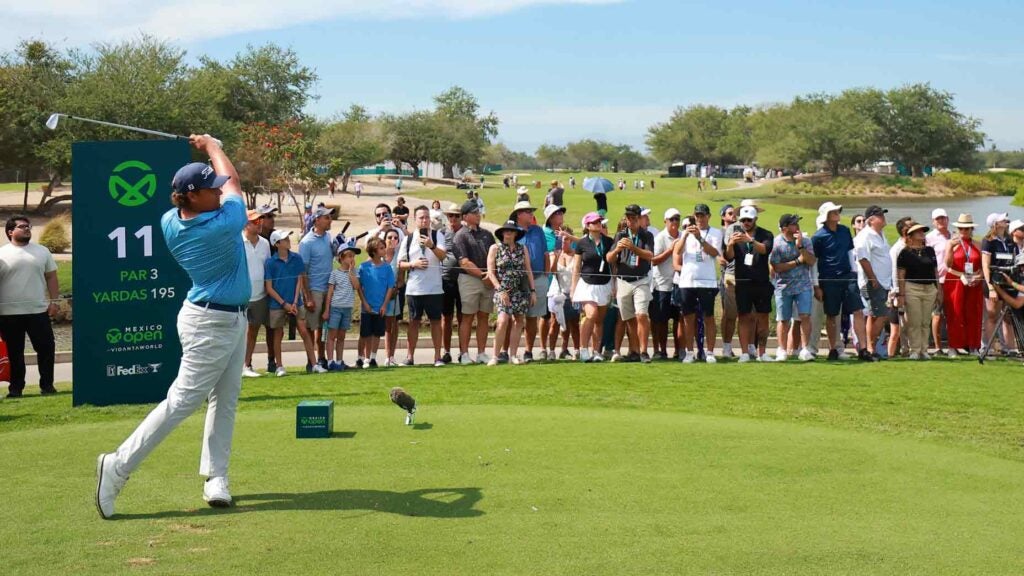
<point x="964" y="291"/>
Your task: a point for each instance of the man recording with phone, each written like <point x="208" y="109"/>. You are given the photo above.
<point x="421" y="254"/>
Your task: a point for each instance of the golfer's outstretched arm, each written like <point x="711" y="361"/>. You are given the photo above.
<point x="221" y="164"/>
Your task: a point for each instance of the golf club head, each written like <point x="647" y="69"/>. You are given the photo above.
<point x="51" y="122"/>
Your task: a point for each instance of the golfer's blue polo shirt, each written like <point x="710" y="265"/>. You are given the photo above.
<point x="209" y="248"/>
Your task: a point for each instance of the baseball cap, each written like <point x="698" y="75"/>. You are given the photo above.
<point x="671" y="213"/>
<point x="591" y="217"/>
<point x="702" y="209"/>
<point x="632" y="210"/>
<point x="1015" y="225"/>
<point x="724" y="209"/>
<point x="645" y="211"/>
<point x="278" y="235"/>
<point x="253" y="215"/>
<point x="266" y="210"/>
<point x="323" y="211"/>
<point x="550" y="210"/>
<point x="829" y="207"/>
<point x="995" y="217"/>
<point x="349" y="246"/>
<point x="453" y="208"/>
<point x="196" y="176"/>
<point x="874" y="210"/>
<point x="748" y="212"/>
<point x="469" y="207"/>
<point x="788" y="220"/>
<point x="939" y="213"/>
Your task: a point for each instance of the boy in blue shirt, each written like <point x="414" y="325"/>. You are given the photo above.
<point x="376" y="287"/>
<point x="284" y="274"/>
<point x="341" y="297"/>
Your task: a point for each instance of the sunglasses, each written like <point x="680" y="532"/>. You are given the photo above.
<point x="746" y="220"/>
<point x="674" y="219"/>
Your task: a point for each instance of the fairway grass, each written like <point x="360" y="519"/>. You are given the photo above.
<point x="899" y="467"/>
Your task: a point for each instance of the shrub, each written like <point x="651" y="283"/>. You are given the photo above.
<point x="55" y="235"/>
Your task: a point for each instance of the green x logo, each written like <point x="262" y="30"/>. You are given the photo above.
<point x="132" y="195"/>
<point x="113" y="335"/>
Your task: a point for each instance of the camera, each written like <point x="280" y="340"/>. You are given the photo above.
<point x="1013" y="272"/>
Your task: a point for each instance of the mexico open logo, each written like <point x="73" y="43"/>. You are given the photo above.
<point x="132" y="195"/>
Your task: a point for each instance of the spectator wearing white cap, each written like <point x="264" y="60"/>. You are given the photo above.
<point x="749" y="247"/>
<point x="938" y="240"/>
<point x="837" y="281"/>
<point x="645" y="221"/>
<point x="257" y="251"/>
<point x="997" y="249"/>
<point x="693" y="257"/>
<point x="662" y="309"/>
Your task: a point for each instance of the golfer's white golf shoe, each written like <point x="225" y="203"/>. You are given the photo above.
<point x="108" y="485"/>
<point x="215" y="492"/>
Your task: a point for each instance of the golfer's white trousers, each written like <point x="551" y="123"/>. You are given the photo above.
<point x="213" y="350"/>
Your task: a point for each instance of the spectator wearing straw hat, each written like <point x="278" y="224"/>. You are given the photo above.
<point x="837" y="281"/>
<point x="450" y="279"/>
<point x="508" y="268"/>
<point x="964" y="290"/>
<point x="916" y="268"/>
<point x="537" y="314"/>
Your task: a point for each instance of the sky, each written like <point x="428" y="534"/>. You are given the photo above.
<point x="554" y="71"/>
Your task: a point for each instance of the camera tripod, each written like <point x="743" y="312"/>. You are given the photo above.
<point x="1016" y="320"/>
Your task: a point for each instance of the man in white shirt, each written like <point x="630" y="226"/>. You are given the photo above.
<point x="662" y="310"/>
<point x="257" y="252"/>
<point x="694" y="258"/>
<point x="874" y="274"/>
<point x="421" y="254"/>
<point x="28" y="299"/>
<point x="938" y="239"/>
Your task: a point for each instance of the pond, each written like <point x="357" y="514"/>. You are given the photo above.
<point x="921" y="209"/>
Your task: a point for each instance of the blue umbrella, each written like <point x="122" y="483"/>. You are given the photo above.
<point x="598" y="185"/>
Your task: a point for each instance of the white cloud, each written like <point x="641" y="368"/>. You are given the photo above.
<point x="76" y="21"/>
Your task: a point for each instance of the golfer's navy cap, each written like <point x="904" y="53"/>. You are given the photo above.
<point x="195" y="176"/>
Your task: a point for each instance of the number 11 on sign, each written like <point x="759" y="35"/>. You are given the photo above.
<point x="145" y="233"/>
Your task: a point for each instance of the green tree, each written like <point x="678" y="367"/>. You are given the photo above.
<point x="355" y="141"/>
<point x="410" y="137"/>
<point x="586" y="154"/>
<point x="551" y="157"/>
<point x="838" y="130"/>
<point x="698" y="133"/>
<point x="776" y="139"/>
<point x="461" y="133"/>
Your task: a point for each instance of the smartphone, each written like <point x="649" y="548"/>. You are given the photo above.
<point x="424" y="232"/>
<point x="735" y="228"/>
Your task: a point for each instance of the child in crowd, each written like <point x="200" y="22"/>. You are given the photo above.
<point x="376" y="286"/>
<point x="341" y="293"/>
<point x="283" y="275"/>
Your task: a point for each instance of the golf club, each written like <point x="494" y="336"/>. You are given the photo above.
<point x="54" y="118"/>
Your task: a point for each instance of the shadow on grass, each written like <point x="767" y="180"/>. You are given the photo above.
<point x="427" y="502"/>
<point x="422" y="426"/>
<point x="343" y="435"/>
<point x="271" y="397"/>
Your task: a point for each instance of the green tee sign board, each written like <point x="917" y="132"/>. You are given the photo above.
<point x="127" y="287"/>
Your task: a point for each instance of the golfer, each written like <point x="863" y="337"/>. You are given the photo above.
<point x="204" y="236"/>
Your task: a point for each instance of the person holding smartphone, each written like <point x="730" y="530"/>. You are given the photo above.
<point x="420" y="255"/>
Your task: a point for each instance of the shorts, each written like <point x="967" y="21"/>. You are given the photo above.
<point x="277" y="319"/>
<point x="689" y="297"/>
<point x="728" y="291"/>
<point x="784" y="304"/>
<point x="371" y="325"/>
<point x="341" y="319"/>
<point x="876" y="301"/>
<point x="540" y="308"/>
<point x="634" y="298"/>
<point x="662" y="308"/>
<point x="840" y="296"/>
<point x="475" y="296"/>
<point x="396" y="306"/>
<point x="452" y="303"/>
<point x="429" y="304"/>
<point x="314" y="316"/>
<point x="600" y="294"/>
<point x="571" y="311"/>
<point x="754" y="298"/>
<point x="258" y="312"/>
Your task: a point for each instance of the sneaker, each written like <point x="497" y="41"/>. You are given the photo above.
<point x="645" y="358"/>
<point x="483" y="358"/>
<point x="280" y="372"/>
<point x="878" y="357"/>
<point x="925" y="356"/>
<point x="833" y="355"/>
<point x="318" y="369"/>
<point x="342" y="366"/>
<point x="616" y="357"/>
<point x="689" y="358"/>
<point x="940" y="352"/>
<point x="527" y="357"/>
<point x="632" y="358"/>
<point x="438" y="363"/>
<point x="516" y="360"/>
<point x="408" y="361"/>
<point x="727" y="351"/>
<point x="215" y="490"/>
<point x="542" y="356"/>
<point x="710" y="359"/>
<point x="464" y="359"/>
<point x="271" y="367"/>
<point x="47" y="391"/>
<point x="843" y="355"/>
<point x="744" y="358"/>
<point x="502" y="357"/>
<point x="765" y="358"/>
<point x="806" y="355"/>
<point x="492" y="362"/>
<point x="565" y="355"/>
<point x="323" y="364"/>
<point x="951" y="353"/>
<point x="248" y="372"/>
<point x="359" y="363"/>
<point x="584" y="355"/>
<point x="332" y="366"/>
<point x="781" y="355"/>
<point x="372" y="363"/>
<point x="446" y="358"/>
<point x="864" y="356"/>
<point x="661" y="355"/>
<point x="915" y="356"/>
<point x="108" y="485"/>
<point x="598" y="358"/>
